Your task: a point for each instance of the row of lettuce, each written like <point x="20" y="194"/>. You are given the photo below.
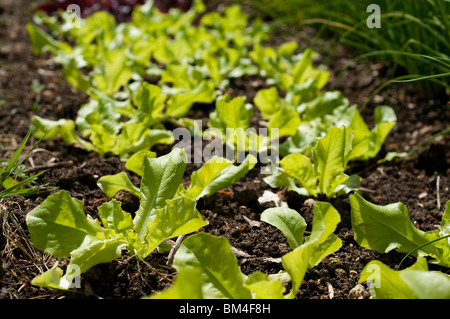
<point x="146" y="74"/>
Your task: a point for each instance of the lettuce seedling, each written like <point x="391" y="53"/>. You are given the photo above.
<point x="99" y="120"/>
<point x="310" y="113"/>
<point x="384" y="228"/>
<point x="214" y="273"/>
<point x="307" y="253"/>
<point x="415" y="282"/>
<point x="284" y="69"/>
<point x="188" y="87"/>
<point x="60" y="227"/>
<point x="234" y="115"/>
<point x="327" y="176"/>
<point x="278" y="112"/>
<point x="230" y="123"/>
<point x="211" y="261"/>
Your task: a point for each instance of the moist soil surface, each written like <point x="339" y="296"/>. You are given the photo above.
<point x="33" y="85"/>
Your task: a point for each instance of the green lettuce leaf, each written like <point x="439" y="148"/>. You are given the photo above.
<point x="111" y="184"/>
<point x="384" y="228"/>
<point x="330" y="157"/>
<point x="112" y="72"/>
<point x="445" y="222"/>
<point x="183" y="287"/>
<point x="319" y="244"/>
<point x="59" y="225"/>
<point x="327" y="175"/>
<point x="114" y="218"/>
<point x="186" y="288"/>
<point x="286" y="120"/>
<point x="51" y="278"/>
<point x="150" y="103"/>
<point x="231" y="114"/>
<point x="268" y="102"/>
<point x="216" y="174"/>
<point x="101" y="111"/>
<point x="220" y="276"/>
<point x="367" y="143"/>
<point x="178" y="217"/>
<point x="264" y="288"/>
<point x="160" y="180"/>
<point x="134" y="163"/>
<point x="94" y="253"/>
<point x="180" y="103"/>
<point x="300" y="167"/>
<point x="291" y="223"/>
<point x="48" y="129"/>
<point x="72" y="73"/>
<point x="415" y="282"/>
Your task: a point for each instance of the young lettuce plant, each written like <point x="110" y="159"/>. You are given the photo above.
<point x="327" y="176"/>
<point x="284" y="69"/>
<point x="384" y="228"/>
<point x="230" y="120"/>
<point x="188" y="87"/>
<point x="100" y="121"/>
<point x="230" y="124"/>
<point x="211" y="261"/>
<point x="217" y="47"/>
<point x="234" y="38"/>
<point x="208" y="269"/>
<point x="311" y="113"/>
<point x="60" y="227"/>
<point x="306" y="253"/>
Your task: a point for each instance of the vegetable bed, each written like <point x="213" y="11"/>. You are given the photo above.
<point x="251" y="228"/>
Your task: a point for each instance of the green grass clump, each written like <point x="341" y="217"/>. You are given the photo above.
<point x="414" y="35"/>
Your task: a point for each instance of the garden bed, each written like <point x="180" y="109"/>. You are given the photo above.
<point x="421" y="181"/>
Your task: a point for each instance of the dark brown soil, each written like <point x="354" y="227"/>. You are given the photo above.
<point x="233" y="213"/>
